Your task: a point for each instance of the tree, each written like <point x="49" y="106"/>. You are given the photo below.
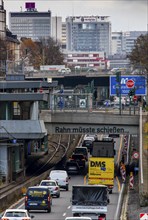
<point x="30" y="53"/>
<point x="50" y="51"/>
<point x="139" y="54"/>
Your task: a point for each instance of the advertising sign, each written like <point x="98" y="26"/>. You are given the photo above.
<point x="101" y="170"/>
<point x="128" y="83"/>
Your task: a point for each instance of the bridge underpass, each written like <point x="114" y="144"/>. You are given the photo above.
<point x="85" y="122"/>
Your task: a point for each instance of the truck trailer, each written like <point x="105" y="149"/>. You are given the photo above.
<point x="90" y="201"/>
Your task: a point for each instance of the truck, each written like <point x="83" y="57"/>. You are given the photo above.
<point x="101" y="164"/>
<point x="90" y="201"/>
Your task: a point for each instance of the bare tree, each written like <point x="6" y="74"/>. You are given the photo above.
<point x="139" y="55"/>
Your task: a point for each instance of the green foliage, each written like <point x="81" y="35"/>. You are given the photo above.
<point x="139" y="54"/>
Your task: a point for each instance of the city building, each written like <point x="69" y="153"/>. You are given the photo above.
<point x="86" y="59"/>
<point x="64" y="36"/>
<point x="56" y="28"/>
<point x="30" y="23"/>
<point x="123" y="42"/>
<point x="2" y="20"/>
<point x="88" y="33"/>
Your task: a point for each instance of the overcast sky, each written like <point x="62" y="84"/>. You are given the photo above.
<point x="125" y="15"/>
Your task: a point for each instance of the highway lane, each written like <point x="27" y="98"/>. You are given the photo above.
<point x="61" y="207"/>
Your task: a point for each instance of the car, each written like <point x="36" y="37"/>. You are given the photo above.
<point x="38" y="198"/>
<point x="82" y="150"/>
<point x="80" y="159"/>
<point x="64" y="70"/>
<point x="53" y="186"/>
<point x="78" y="218"/>
<point x="89" y="144"/>
<point x="62" y="178"/>
<point x="72" y="167"/>
<point x="92" y="70"/>
<point x="16" y="214"/>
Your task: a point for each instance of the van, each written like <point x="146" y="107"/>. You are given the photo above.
<point x="61" y="176"/>
<point x="64" y="70"/>
<point x="38" y="198"/>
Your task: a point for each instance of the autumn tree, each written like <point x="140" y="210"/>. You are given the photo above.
<point x="50" y="52"/>
<point x="30" y="52"/>
<point x="139" y="54"/>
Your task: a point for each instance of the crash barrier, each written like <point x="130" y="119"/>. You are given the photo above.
<point x="17" y="193"/>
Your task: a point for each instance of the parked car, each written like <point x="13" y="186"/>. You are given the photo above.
<point x="16" y="214"/>
<point x="62" y="178"/>
<point x="82" y="150"/>
<point x="72" y="167"/>
<point x="36" y="196"/>
<point x="53" y="186"/>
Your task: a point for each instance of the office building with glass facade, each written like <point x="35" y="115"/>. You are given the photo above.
<point x="88" y="33"/>
<point x="31" y="24"/>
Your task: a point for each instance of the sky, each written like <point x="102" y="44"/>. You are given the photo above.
<point x="125" y="15"/>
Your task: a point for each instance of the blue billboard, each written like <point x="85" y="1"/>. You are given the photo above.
<point x="127" y="83"/>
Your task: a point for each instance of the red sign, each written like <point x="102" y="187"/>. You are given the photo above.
<point x="130" y="83"/>
<point x="136" y="155"/>
<point x="143" y="216"/>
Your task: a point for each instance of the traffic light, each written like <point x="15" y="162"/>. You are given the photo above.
<point x="118" y="76"/>
<point x="132" y="92"/>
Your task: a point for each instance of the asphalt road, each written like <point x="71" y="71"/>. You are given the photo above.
<point x="61" y="207"/>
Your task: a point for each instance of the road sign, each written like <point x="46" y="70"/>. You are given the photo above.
<point x="139" y="85"/>
<point x="130" y="83"/>
<point x="143" y="216"/>
<point x="82" y="103"/>
<point x="136" y="155"/>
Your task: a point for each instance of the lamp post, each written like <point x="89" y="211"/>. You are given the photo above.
<point x="118" y="88"/>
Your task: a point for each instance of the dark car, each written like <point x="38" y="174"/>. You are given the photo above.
<point x="38" y="198"/>
<point x="80" y="159"/>
<point x="88" y="144"/>
<point x="82" y="150"/>
<point x="72" y="167"/>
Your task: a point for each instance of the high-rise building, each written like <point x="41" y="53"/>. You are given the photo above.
<point x="124" y="42"/>
<point x="56" y="28"/>
<point x="31" y="23"/>
<point x="2" y="20"/>
<point x="88" y="33"/>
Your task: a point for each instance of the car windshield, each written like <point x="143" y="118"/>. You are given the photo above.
<point x="58" y="175"/>
<point x="48" y="184"/>
<point x="15" y="214"/>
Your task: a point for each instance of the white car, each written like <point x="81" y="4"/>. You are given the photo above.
<point x="16" y="214"/>
<point x="53" y="187"/>
<point x="61" y="177"/>
<point x="64" y="70"/>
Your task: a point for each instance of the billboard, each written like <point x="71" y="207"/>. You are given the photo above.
<point x="127" y="83"/>
<point x="30" y="5"/>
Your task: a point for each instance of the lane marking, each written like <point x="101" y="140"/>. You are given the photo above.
<point x="120" y="149"/>
<point x="64" y="213"/>
<point x="118" y="183"/>
<point x="68" y="207"/>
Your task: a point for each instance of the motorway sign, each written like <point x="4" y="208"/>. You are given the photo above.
<point x="127" y="83"/>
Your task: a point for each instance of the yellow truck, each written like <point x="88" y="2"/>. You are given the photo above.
<point x="101" y="171"/>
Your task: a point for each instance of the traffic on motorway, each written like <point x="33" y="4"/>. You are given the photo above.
<point x="69" y="193"/>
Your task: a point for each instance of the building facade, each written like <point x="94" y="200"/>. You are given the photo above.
<point x="56" y="28"/>
<point x="86" y="59"/>
<point x="2" y="20"/>
<point x="124" y="42"/>
<point x="30" y="23"/>
<point x="88" y="33"/>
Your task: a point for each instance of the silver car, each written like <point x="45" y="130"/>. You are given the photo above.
<point x="53" y="187"/>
